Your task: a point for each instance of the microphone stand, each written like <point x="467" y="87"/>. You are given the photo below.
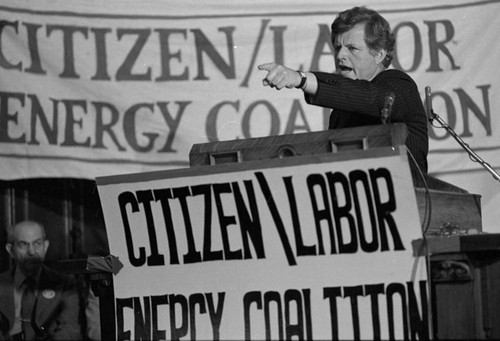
<point x="474" y="157"/>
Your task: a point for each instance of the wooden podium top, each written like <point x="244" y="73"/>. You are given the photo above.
<point x="279" y="146"/>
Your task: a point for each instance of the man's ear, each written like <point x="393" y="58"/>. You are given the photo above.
<point x="46" y="245"/>
<point x="380" y="56"/>
<point x="8" y="247"/>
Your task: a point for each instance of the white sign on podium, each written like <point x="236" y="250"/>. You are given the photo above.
<point x="309" y="247"/>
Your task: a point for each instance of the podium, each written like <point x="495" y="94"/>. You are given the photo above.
<point x="278" y="248"/>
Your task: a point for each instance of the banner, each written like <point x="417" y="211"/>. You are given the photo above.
<point x="92" y="88"/>
<point x="297" y="248"/>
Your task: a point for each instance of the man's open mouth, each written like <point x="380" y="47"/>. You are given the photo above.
<point x="344" y="70"/>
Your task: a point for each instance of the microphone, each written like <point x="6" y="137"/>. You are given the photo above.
<point x="428" y="104"/>
<point x="386" y="111"/>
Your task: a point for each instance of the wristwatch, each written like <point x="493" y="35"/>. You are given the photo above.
<point x="303" y="79"/>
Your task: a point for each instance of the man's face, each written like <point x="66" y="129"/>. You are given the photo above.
<point x="29" y="247"/>
<point x="353" y="58"/>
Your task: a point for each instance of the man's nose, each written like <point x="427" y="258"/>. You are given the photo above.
<point x="31" y="249"/>
<point x="341" y="53"/>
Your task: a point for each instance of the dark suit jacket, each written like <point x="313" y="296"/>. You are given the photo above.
<point x="57" y="307"/>
<point x="360" y="102"/>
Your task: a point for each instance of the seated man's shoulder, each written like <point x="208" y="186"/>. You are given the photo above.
<point x="6" y="276"/>
<point x="55" y="278"/>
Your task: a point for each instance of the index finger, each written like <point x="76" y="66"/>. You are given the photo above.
<point x="266" y="66"/>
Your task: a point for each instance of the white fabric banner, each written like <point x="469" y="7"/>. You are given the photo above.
<point x="94" y="88"/>
<point x="233" y="258"/>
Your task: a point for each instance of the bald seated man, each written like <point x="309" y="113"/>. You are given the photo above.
<point x="53" y="309"/>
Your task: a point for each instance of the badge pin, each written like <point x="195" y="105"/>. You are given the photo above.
<point x="49" y="294"/>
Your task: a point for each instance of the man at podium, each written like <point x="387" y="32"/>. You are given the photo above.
<point x="363" y="91"/>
